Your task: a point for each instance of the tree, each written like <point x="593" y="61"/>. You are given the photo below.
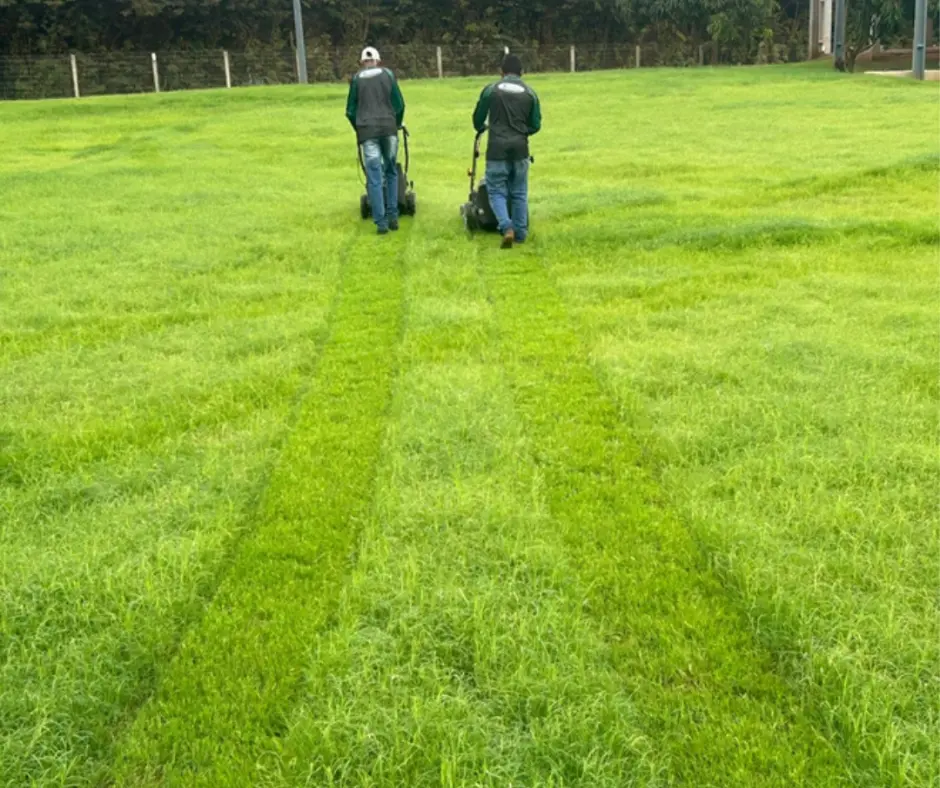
<point x="868" y="21"/>
<point x="742" y="27"/>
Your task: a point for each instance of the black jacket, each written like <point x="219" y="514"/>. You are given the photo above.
<point x="512" y="109"/>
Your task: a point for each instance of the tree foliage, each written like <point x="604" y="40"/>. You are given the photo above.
<point x="870" y="21"/>
<point x="739" y="27"/>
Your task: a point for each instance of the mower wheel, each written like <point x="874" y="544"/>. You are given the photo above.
<point x="365" y="210"/>
<point x="469" y="217"/>
<point x="411" y="203"/>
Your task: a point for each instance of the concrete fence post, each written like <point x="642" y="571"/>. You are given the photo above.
<point x="812" y="40"/>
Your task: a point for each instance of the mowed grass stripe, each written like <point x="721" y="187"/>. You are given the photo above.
<point x="791" y="419"/>
<point x="461" y="655"/>
<point x="714" y="708"/>
<point x="128" y="474"/>
<point x="223" y="702"/>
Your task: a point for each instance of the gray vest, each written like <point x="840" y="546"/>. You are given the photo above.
<point x="375" y="116"/>
<point x="510" y="107"/>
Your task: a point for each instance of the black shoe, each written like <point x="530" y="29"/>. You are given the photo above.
<point x="382" y="230"/>
<point x="393" y="225"/>
<point x="508" y="237"/>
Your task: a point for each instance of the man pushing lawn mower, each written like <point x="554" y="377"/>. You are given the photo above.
<point x="513" y="111"/>
<point x="376" y="109"/>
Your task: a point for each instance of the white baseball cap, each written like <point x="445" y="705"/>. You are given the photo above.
<point x="369" y="53"/>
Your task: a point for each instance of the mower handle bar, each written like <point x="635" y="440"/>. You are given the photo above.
<point x="405" y="135"/>
<point x="472" y="172"/>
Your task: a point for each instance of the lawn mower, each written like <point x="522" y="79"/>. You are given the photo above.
<point x="407" y="200"/>
<point x="476" y="212"/>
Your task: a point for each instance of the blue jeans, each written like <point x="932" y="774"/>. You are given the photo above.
<point x="378" y="155"/>
<point x="507" y="183"/>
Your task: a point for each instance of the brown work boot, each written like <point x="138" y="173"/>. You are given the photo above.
<point x="508" y="237"/>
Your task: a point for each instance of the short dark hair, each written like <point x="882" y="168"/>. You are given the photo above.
<point x="512" y="65"/>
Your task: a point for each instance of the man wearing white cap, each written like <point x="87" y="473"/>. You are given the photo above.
<point x="376" y="109"/>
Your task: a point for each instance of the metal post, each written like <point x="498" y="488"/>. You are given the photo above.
<point x="156" y="72"/>
<point x="637" y="55"/>
<point x="573" y="69"/>
<point x="74" y="75"/>
<point x="440" y="64"/>
<point x="918" y="60"/>
<point x="228" y="68"/>
<point x="301" y="46"/>
<point x="813" y="37"/>
<point x="838" y="48"/>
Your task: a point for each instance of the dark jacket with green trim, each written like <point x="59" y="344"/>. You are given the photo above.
<point x="512" y="109"/>
<point x="375" y="106"/>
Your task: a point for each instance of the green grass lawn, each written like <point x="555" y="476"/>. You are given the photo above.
<point x="651" y="500"/>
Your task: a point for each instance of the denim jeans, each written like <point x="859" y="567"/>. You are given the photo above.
<point x="378" y="155"/>
<point x="507" y="183"/>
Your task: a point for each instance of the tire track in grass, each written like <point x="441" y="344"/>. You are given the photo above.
<point x="711" y="702"/>
<point x="223" y="701"/>
<point x="460" y="655"/>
